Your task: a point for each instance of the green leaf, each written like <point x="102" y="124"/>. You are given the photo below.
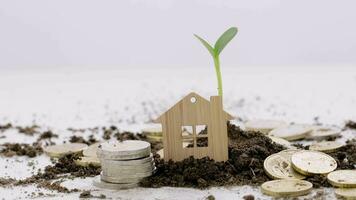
<point x="206" y="44"/>
<point x="224" y="39"/>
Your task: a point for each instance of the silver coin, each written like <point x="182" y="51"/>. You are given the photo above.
<point x="138" y="161"/>
<point x="137" y="156"/>
<point x="125" y="150"/>
<point x="110" y="179"/>
<point x="117" y="170"/>
<point x="98" y="182"/>
<point x="124" y="177"/>
<point x="128" y="173"/>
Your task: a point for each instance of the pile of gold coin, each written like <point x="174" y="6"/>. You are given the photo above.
<point x="289" y="167"/>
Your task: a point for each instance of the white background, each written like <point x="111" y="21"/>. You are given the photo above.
<point x="142" y="33"/>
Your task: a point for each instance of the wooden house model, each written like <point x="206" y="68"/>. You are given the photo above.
<point x="198" y="122"/>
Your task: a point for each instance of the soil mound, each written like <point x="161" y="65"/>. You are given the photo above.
<point x="247" y="151"/>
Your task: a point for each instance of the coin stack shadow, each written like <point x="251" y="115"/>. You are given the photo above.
<point x="124" y="167"/>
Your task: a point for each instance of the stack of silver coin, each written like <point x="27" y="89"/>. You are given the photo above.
<point x="124" y="164"/>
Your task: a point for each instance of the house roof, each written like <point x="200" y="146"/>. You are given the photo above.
<point x="189" y="96"/>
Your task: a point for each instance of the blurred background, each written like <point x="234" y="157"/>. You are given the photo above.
<point x="86" y="63"/>
<point x="142" y="33"/>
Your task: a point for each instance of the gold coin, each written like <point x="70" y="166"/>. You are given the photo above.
<point x="286" y="188"/>
<point x="91" y="150"/>
<point x="57" y="151"/>
<point x="313" y="162"/>
<point x="326" y="146"/>
<point x="278" y="166"/>
<point x="343" y="178"/>
<point x="281" y="141"/>
<point x="160" y="153"/>
<point x="86" y="161"/>
<point x="287" y="154"/>
<point x="347" y="193"/>
<point x="322" y="132"/>
<point x="154" y="137"/>
<point x="291" y="132"/>
<point x="263" y="126"/>
<point x="153" y="131"/>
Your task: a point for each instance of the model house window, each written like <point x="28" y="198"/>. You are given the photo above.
<point x="195" y="136"/>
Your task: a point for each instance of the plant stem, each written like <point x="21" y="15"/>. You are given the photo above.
<point x="218" y="74"/>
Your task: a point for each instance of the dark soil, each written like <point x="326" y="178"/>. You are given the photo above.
<point x="47" y="135"/>
<point x="61" y="168"/>
<point x="4" y="127"/>
<point x="12" y="149"/>
<point x="87" y="195"/>
<point x="66" y="165"/>
<point x="247" y="151"/>
<point x="80" y="139"/>
<point x="350" y="124"/>
<point x="318" y="181"/>
<point x="346" y="155"/>
<point x="28" y="130"/>
<point x="249" y="197"/>
<point x="6" y="181"/>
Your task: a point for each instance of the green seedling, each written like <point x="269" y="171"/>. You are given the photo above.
<point x="215" y="51"/>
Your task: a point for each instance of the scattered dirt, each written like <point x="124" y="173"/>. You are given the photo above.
<point x="12" y="149"/>
<point x="108" y="132"/>
<point x="87" y="195"/>
<point x="47" y="135"/>
<point x="129" y="136"/>
<point x="247" y="151"/>
<point x="350" y="124"/>
<point x="28" y="130"/>
<point x="249" y="197"/>
<point x="210" y="197"/>
<point x="6" y="181"/>
<point x="80" y="139"/>
<point x="4" y="127"/>
<point x="65" y="167"/>
<point x="56" y="186"/>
